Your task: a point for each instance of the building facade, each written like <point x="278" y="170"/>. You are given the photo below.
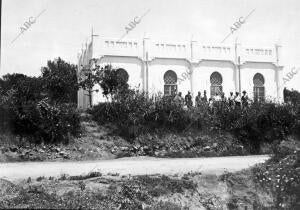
<point x="167" y="67"/>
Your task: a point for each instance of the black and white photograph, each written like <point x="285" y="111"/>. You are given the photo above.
<point x="150" y="104"/>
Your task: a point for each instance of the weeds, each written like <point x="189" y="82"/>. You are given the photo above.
<point x="281" y="177"/>
<point x="88" y="176"/>
<point x="136" y="114"/>
<point x="40" y="178"/>
<point x="81" y="185"/>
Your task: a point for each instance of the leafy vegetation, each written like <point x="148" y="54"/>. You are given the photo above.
<point x="40" y="109"/>
<point x="135" y="113"/>
<point x="291" y="96"/>
<point x="112" y="81"/>
<point x="136" y="193"/>
<point x="60" y="81"/>
<point x="281" y="175"/>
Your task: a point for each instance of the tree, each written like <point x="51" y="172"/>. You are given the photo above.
<point x="112" y="81"/>
<point x="60" y="81"/>
<point x="89" y="77"/>
<point x="19" y="93"/>
<point x="11" y="80"/>
<point x="25" y="88"/>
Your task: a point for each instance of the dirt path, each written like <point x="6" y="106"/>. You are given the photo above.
<point x="133" y="166"/>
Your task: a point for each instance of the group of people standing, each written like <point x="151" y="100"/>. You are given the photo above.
<point x="234" y="100"/>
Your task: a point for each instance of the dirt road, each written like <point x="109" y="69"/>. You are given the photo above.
<point x="133" y="166"/>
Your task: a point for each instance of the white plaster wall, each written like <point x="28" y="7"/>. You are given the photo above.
<point x="269" y="73"/>
<point x="98" y="96"/>
<point x="158" y="67"/>
<point x="203" y="71"/>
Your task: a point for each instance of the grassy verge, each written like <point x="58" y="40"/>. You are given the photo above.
<point x="91" y="192"/>
<point x="100" y="142"/>
<point x="272" y="185"/>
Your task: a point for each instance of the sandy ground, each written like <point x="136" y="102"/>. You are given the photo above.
<point x="133" y="166"/>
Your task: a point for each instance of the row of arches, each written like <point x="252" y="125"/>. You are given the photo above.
<point x="216" y="80"/>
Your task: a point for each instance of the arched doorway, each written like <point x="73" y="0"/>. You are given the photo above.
<point x="170" y="83"/>
<point x="215" y="84"/>
<point x="258" y="88"/>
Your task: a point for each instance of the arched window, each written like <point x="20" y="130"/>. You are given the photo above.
<point x="215" y="84"/>
<point x="170" y="80"/>
<point x="258" y="88"/>
<point x="122" y="74"/>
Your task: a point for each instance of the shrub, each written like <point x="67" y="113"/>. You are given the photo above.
<point x="135" y="113"/>
<point x="60" y="81"/>
<point x="88" y="176"/>
<point x="157" y="186"/>
<point x="27" y="112"/>
<point x="262" y="122"/>
<point x="281" y="176"/>
<point x="57" y="121"/>
<point x="291" y="96"/>
<point x="41" y="121"/>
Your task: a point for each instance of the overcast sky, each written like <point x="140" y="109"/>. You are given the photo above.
<point x="65" y="25"/>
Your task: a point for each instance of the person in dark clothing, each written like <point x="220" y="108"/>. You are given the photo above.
<point x="245" y="99"/>
<point x="204" y="99"/>
<point x="223" y="98"/>
<point x="198" y="99"/>
<point x="188" y="100"/>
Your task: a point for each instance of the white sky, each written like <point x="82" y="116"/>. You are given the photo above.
<point x="66" y="24"/>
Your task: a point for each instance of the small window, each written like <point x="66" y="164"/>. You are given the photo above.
<point x="170" y="80"/>
<point x="258" y="89"/>
<point x="215" y="84"/>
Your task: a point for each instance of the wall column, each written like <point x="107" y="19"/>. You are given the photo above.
<point x="146" y="64"/>
<point x="278" y="73"/>
<point x="237" y="67"/>
<point x="191" y="67"/>
<point x="191" y="72"/>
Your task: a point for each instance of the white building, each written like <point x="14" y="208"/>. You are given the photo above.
<point x="156" y="66"/>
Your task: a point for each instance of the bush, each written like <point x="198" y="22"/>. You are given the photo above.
<point x="136" y="113"/>
<point x="158" y="186"/>
<point x="26" y="111"/>
<point x="261" y="122"/>
<point x="281" y="176"/>
<point x="60" y="81"/>
<point x="41" y="121"/>
<point x="57" y="122"/>
<point x="291" y="96"/>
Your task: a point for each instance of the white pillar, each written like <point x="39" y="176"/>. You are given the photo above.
<point x="237" y="67"/>
<point x="146" y="64"/>
<point x="278" y="72"/>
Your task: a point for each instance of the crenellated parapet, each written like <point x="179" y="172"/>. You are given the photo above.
<point x="193" y="51"/>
